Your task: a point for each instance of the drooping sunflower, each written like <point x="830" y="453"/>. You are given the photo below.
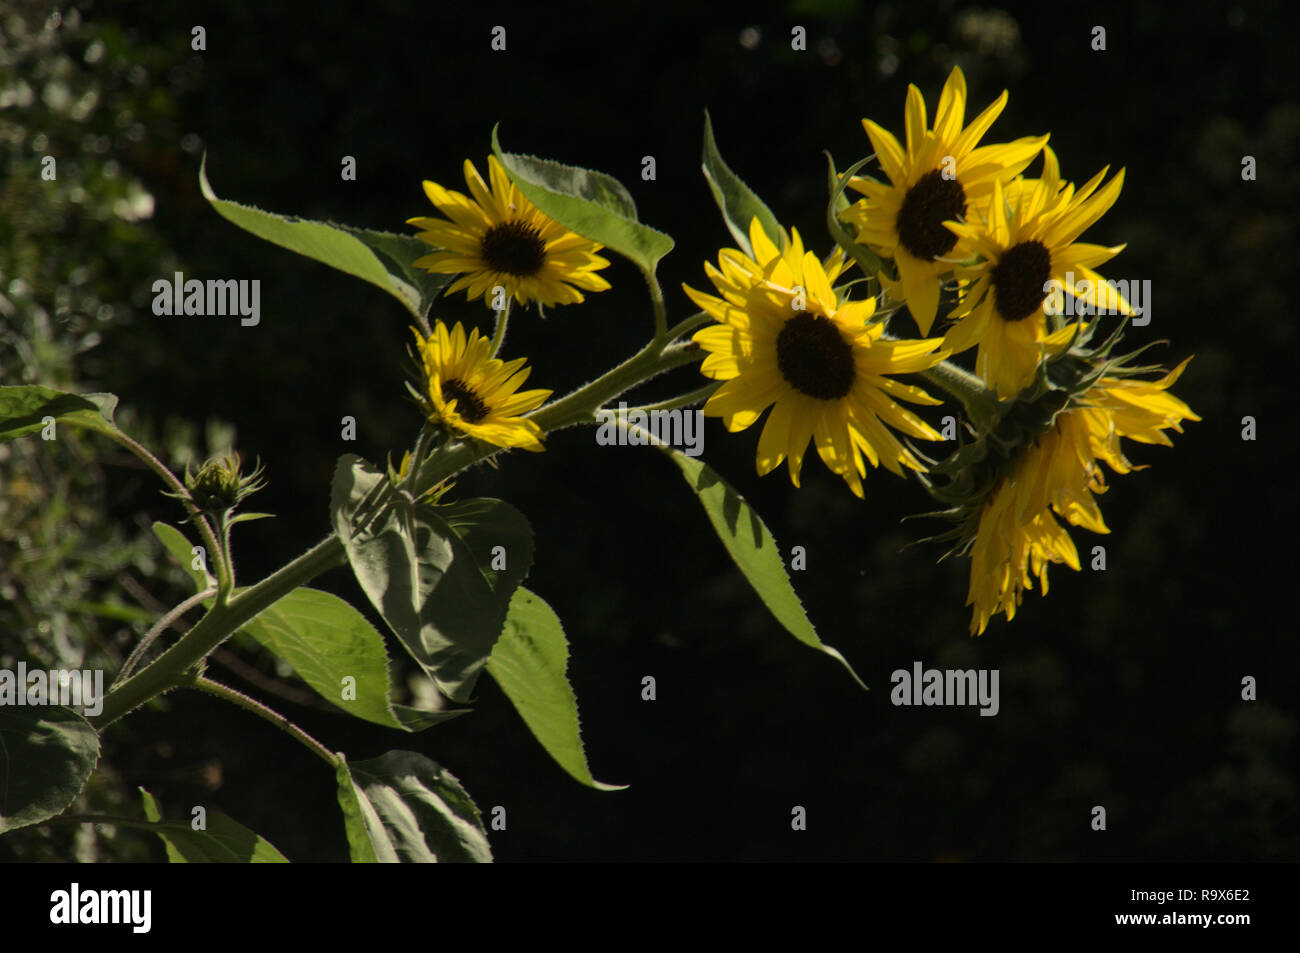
<point x="477" y="395"/>
<point x="1007" y="550"/>
<point x="1025" y="243"/>
<point x="941" y="176"/>
<point x="499" y="238"/>
<point x="1057" y="476"/>
<point x="784" y="340"/>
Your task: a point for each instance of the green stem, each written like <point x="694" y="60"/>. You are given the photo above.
<point x="698" y="320"/>
<point x="423" y="318"/>
<point x="170" y="669"/>
<point x="223" y="619"/>
<point x="224" y="583"/>
<point x="657" y="302"/>
<point x="581" y="405"/>
<point x="499" y="332"/>
<point x="577" y="407"/>
<point x="683" y="400"/>
<point x="420" y="451"/>
<point x="269" y="714"/>
<point x="134" y="658"/>
<point x="980" y="402"/>
<point x="223" y="526"/>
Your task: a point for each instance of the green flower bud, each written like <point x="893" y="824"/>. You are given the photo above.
<point x="219" y="486"/>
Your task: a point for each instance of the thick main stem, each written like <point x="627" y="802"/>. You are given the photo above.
<point x="170" y="668"/>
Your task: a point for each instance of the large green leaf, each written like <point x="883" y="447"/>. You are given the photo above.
<point x="225" y="841"/>
<point x="403" y="808"/>
<point x="326" y="640"/>
<point x="23" y="410"/>
<point x="738" y="202"/>
<point x="529" y="662"/>
<point x="754" y="551"/>
<point x="594" y="205"/>
<point x="332" y="245"/>
<point x="427" y="569"/>
<point x="46" y="754"/>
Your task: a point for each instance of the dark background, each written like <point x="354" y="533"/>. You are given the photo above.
<point x="1121" y="688"/>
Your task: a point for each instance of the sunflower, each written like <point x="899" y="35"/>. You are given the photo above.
<point x="499" y="238"/>
<point x="477" y="395"/>
<point x="784" y="340"/>
<point x="1006" y="551"/>
<point x="941" y="176"/>
<point x="1056" y="476"/>
<point x="1026" y="242"/>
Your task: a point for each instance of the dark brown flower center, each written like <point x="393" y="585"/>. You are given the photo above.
<point x="814" y="358"/>
<point x="926" y="206"/>
<point x="1018" y="280"/>
<point x="468" y="405"/>
<point x="515" y="248"/>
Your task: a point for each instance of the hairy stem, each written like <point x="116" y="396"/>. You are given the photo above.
<point x="174" y="666"/>
<point x="134" y="658"/>
<point x="657" y="302"/>
<point x="224" y="583"/>
<point x="980" y="402"/>
<point x="221" y="621"/>
<point x="682" y="400"/>
<point x="499" y="332"/>
<point x="269" y="714"/>
<point x="698" y="320"/>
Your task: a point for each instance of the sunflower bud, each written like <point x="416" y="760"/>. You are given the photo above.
<point x="219" y="486"/>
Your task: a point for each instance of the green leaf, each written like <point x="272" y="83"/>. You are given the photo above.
<point x="329" y="244"/>
<point x="23" y="410"/>
<point x="402" y="251"/>
<point x="403" y="808"/>
<point x="249" y="517"/>
<point x="225" y="841"/>
<point x="359" y="818"/>
<point x="594" y="205"/>
<point x="326" y="640"/>
<point x="46" y="754"/>
<point x="867" y="260"/>
<point x="428" y="569"/>
<point x="175" y="542"/>
<point x="417" y="719"/>
<point x="738" y="202"/>
<point x="754" y="551"/>
<point x="118" y="611"/>
<point x="529" y="662"/>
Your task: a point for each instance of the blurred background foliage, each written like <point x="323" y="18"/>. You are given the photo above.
<point x="1121" y="688"/>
